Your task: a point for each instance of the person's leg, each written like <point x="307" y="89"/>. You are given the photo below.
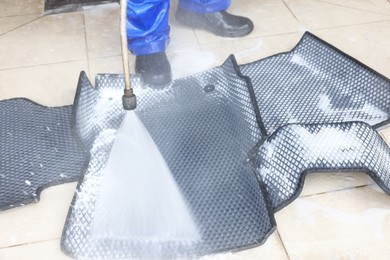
<point x="204" y="6"/>
<point x="147" y="26"/>
<point x="148" y="36"/>
<point x="211" y="15"/>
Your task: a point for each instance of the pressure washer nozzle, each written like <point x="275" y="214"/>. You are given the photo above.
<point x="129" y="100"/>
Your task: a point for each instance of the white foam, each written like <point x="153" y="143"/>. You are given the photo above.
<point x="331" y="143"/>
<point x="376" y="114"/>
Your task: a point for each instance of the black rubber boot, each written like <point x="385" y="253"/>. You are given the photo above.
<point x="154" y="69"/>
<point x="220" y="23"/>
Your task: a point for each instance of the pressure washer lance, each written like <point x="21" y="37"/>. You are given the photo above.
<point x="129" y="100"/>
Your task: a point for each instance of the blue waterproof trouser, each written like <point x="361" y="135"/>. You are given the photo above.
<point x="147" y="21"/>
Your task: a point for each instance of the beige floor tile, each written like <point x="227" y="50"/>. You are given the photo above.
<point x="181" y="36"/>
<point x="270" y="17"/>
<point x="106" y="65"/>
<point x="317" y="15"/>
<point x="50" y="39"/>
<point x="378" y="6"/>
<point x="349" y="224"/>
<point x="49" y="85"/>
<point x="184" y="52"/>
<point x="10" y="23"/>
<point x="190" y="60"/>
<point x="14" y="8"/>
<point x="103" y="31"/>
<point x="47" y="250"/>
<point x="249" y="50"/>
<point x="321" y="182"/>
<point x="38" y="222"/>
<point x="385" y="133"/>
<point x="368" y="43"/>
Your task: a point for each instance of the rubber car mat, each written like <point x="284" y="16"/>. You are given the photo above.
<point x="38" y="149"/>
<point x="62" y="6"/>
<point x="317" y="83"/>
<point x="203" y="125"/>
<point x="297" y="149"/>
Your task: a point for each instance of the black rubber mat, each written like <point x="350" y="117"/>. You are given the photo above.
<point x="317" y="83"/>
<point x="38" y="149"/>
<point x="62" y="6"/>
<point x="219" y="136"/>
<point x="295" y="150"/>
<point x="209" y="129"/>
<point x="203" y="125"/>
<point x="96" y="110"/>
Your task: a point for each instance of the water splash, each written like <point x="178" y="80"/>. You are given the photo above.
<point x="139" y="199"/>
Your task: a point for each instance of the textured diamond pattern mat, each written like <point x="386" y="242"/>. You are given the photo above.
<point x="316" y="83"/>
<point x="96" y="110"/>
<point x="38" y="149"/>
<point x="294" y="150"/>
<point x="61" y="6"/>
<point x="204" y="126"/>
<point x="238" y="140"/>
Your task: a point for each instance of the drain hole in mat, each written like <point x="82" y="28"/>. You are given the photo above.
<point x="209" y="88"/>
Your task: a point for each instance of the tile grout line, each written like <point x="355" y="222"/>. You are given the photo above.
<point x="341" y="26"/>
<point x="86" y="45"/>
<point x="20" y="26"/>
<point x="308" y="29"/>
<point x="350" y="25"/>
<point x="200" y="45"/>
<point x="16" y="15"/>
<point x="276" y="35"/>
<point x="337" y="190"/>
<point x="350" y="7"/>
<point x="105" y="57"/>
<point x="30" y="243"/>
<point x="284" y="246"/>
<point x="39" y="65"/>
<point x="60" y="62"/>
<point x="249" y="37"/>
<point x="292" y="13"/>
